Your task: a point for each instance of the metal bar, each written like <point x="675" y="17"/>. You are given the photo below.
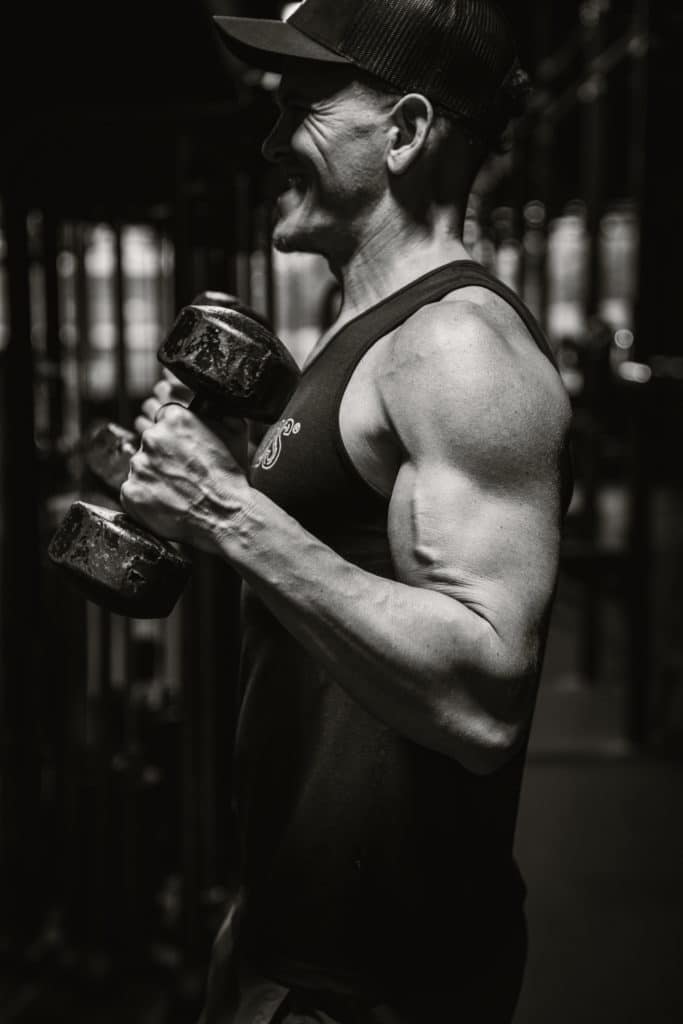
<point x="122" y="400"/>
<point x="20" y="701"/>
<point x="638" y="611"/>
<point x="82" y="328"/>
<point x="52" y="325"/>
<point x="121" y="644"/>
<point x="593" y="125"/>
<point x="94" y="739"/>
<point x="188" y="753"/>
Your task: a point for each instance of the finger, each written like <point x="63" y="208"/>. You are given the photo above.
<point x="142" y="423"/>
<point x="138" y="465"/>
<point x="150" y="408"/>
<point x="162" y="390"/>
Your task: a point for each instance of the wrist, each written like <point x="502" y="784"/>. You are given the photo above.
<point x="233" y="530"/>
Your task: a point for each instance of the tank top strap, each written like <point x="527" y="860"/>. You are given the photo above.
<point x="354" y="339"/>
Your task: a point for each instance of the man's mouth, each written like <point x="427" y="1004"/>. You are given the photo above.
<point x="296" y="181"/>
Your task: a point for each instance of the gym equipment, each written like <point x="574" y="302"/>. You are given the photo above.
<point x="235" y="367"/>
<point x="108" y="450"/>
<point x="108" y="447"/>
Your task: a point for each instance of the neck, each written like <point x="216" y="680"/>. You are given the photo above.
<point x="391" y="256"/>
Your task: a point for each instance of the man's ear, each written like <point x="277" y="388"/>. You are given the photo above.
<point x="412" y="120"/>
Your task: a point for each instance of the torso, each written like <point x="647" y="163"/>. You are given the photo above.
<point x="336" y="809"/>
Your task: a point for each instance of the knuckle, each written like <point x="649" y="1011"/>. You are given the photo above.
<point x="137" y="465"/>
<point x="148" y="440"/>
<point x="176" y="414"/>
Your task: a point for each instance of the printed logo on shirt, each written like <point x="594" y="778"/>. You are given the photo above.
<point x="271" y="447"/>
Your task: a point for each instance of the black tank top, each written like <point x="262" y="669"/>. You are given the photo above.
<point x="361" y="849"/>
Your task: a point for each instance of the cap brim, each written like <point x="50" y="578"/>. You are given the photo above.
<point x="266" y="44"/>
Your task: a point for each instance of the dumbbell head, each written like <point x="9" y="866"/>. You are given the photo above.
<point x="108" y="450"/>
<point x="118" y="564"/>
<point x="228" y="301"/>
<point x="231" y="360"/>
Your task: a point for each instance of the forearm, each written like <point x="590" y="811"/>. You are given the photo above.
<point x="414" y="658"/>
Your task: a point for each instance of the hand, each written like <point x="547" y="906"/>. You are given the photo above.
<point x="184" y="483"/>
<point x="168" y="389"/>
<point x="232" y="430"/>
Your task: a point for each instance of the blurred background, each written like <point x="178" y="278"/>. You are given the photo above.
<point x="131" y="179"/>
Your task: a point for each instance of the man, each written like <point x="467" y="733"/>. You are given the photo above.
<point x="398" y="537"/>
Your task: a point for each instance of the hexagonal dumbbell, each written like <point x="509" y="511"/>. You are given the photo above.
<point x="235" y="366"/>
<point x="108" y="447"/>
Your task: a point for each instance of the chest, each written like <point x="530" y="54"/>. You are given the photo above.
<point x="334" y="420"/>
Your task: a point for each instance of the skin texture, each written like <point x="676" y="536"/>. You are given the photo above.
<point x="456" y="417"/>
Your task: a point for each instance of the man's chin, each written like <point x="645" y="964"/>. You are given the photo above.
<point x="293" y="241"/>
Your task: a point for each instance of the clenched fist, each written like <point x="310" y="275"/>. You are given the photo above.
<point x="187" y="482"/>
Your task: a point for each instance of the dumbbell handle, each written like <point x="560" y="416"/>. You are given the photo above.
<point x="108" y="459"/>
<point x="234" y="367"/>
<point x="119" y="563"/>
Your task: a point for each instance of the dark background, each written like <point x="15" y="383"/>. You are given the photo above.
<point x="116" y="850"/>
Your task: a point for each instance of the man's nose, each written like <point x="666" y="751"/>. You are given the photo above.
<point x="276" y="147"/>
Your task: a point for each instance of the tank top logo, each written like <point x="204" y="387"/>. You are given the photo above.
<point x="268" y="455"/>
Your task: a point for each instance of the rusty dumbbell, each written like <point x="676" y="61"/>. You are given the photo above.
<point x="235" y="366"/>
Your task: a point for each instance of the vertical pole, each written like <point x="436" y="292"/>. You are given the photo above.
<point x="188" y="691"/>
<point x="21" y="622"/>
<point x="592" y="106"/>
<point x="120" y="635"/>
<point x="638" y="614"/>
<point x="52" y="326"/>
<point x="93" y="789"/>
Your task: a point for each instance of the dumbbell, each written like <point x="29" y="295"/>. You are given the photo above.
<point x="108" y="447"/>
<point x="235" y="367"/>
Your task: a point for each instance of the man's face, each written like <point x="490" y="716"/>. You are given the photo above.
<point x="330" y="141"/>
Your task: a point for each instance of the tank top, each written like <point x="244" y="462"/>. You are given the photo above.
<point x="360" y="849"/>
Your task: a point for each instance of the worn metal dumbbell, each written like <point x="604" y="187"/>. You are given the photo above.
<point x="234" y="366"/>
<point x="109" y="447"/>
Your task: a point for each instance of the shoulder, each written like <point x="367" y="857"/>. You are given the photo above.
<point x="459" y="373"/>
<point x="448" y="334"/>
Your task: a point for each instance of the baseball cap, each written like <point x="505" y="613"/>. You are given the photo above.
<point x="461" y="54"/>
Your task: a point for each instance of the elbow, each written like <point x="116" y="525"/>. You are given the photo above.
<point x="494" y="745"/>
<point x="493" y="723"/>
<point x="489" y="758"/>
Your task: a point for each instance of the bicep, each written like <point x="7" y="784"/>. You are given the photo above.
<point x="490" y="550"/>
